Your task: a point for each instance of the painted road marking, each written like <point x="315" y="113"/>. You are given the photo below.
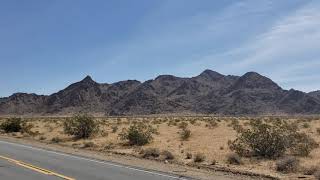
<point x="97" y="161"/>
<point x="35" y="168"/>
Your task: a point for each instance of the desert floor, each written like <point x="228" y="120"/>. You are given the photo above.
<point x="209" y="136"/>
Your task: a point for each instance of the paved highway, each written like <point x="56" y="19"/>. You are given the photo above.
<point x="28" y="163"/>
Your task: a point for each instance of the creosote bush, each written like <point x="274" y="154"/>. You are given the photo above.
<point x="17" y="125"/>
<point x="271" y="140"/>
<point x="81" y="126"/>
<point x="138" y="134"/>
<point x="12" y="125"/>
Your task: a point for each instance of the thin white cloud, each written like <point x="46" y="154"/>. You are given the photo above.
<point x="293" y="36"/>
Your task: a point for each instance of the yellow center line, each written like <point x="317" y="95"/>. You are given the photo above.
<point x="36" y="168"/>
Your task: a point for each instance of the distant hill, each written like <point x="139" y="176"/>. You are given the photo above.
<point x="208" y="93"/>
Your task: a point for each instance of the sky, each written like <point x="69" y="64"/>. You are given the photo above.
<point x="45" y="45"/>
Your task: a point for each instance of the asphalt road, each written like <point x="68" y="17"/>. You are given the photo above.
<point x="28" y="163"/>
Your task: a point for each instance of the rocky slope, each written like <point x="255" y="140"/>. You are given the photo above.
<point x="207" y="93"/>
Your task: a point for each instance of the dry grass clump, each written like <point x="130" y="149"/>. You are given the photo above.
<point x="185" y="134"/>
<point x="189" y="155"/>
<point x="234" y="159"/>
<point x="287" y="164"/>
<point x="317" y="175"/>
<point x="150" y="153"/>
<point x="167" y="155"/>
<point x="310" y="170"/>
<point x="199" y="157"/>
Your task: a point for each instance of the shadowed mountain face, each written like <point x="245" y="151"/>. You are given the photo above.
<point x="207" y="93"/>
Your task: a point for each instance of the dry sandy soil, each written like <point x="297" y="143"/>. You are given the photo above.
<point x="209" y="136"/>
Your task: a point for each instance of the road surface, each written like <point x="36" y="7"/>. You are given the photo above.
<point x="29" y="163"/>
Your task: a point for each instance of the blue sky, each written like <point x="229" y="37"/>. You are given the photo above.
<point x="47" y="44"/>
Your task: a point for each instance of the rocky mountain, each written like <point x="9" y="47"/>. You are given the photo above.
<point x="208" y="93"/>
<point x="315" y="94"/>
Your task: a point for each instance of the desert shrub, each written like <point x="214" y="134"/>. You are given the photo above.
<point x="318" y="131"/>
<point x="185" y="134"/>
<point x="56" y="140"/>
<point x="287" y="164"/>
<point x="150" y="153"/>
<point x="271" y="140"/>
<point x="12" y="125"/>
<point x="234" y="159"/>
<point x="138" y="134"/>
<point x="81" y="126"/>
<point x="199" y="157"/>
<point x="17" y="125"/>
<point x="167" y="155"/>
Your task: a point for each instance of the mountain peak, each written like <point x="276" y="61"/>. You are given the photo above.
<point x="255" y="80"/>
<point x="211" y="74"/>
<point x="88" y="80"/>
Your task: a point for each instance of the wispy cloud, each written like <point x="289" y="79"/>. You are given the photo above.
<point x="287" y="51"/>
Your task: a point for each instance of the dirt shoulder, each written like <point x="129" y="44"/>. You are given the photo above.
<point x="195" y="172"/>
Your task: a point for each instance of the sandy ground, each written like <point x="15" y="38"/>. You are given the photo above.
<point x="209" y="136"/>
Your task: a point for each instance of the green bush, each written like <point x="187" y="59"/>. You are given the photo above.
<point x="138" y="134"/>
<point x="272" y="140"/>
<point x="81" y="126"/>
<point x="12" y="125"/>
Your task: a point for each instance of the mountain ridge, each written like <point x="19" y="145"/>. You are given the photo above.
<point x="208" y="93"/>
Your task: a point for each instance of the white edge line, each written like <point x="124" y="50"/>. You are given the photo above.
<point x="92" y="160"/>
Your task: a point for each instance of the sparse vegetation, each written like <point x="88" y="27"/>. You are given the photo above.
<point x="81" y="126"/>
<point x="168" y="143"/>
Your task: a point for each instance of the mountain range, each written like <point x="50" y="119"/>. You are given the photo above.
<point x="208" y="93"/>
